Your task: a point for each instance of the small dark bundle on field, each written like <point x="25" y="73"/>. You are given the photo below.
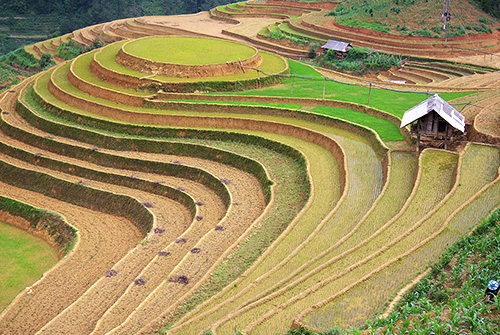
<point x="111" y="273"/>
<point x="139" y="281"/>
<point x="181" y="240"/>
<point x="220" y="228"/>
<point x="236" y="203"/>
<point x="180" y="279"/>
<point x="38" y="154"/>
<point x="225" y="181"/>
<point x="49" y="137"/>
<point x="164" y="253"/>
<point x="159" y="182"/>
<point x="182" y="189"/>
<point x="198" y="203"/>
<point x="199" y="218"/>
<point x="5" y="113"/>
<point x="196" y="250"/>
<point x="94" y="149"/>
<point x="159" y="230"/>
<point x="177" y="162"/>
<point x="81" y="182"/>
<point x="147" y="204"/>
<point x="133" y="176"/>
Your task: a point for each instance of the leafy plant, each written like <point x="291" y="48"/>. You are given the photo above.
<point x="312" y="49"/>
<point x="46" y="61"/>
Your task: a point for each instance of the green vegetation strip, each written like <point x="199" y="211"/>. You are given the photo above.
<point x="387" y="130"/>
<point x="79" y="195"/>
<point x="393" y="102"/>
<point x="81" y="69"/>
<point x="122" y="143"/>
<point x="305" y="120"/>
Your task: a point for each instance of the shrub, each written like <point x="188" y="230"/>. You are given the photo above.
<point x="311" y="53"/>
<point x="46" y="61"/>
<point x="71" y="49"/>
<point x="456" y="31"/>
<point x="280" y="35"/>
<point x="437" y="29"/>
<point x="362" y="59"/>
<point x="21" y="58"/>
<point x="483" y="29"/>
<point x="421" y="32"/>
<point x="484" y="20"/>
<point x="341" y="9"/>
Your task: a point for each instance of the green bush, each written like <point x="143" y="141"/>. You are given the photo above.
<point x="46" y="61"/>
<point x="362" y="59"/>
<point x="421" y="32"/>
<point x="483" y="29"/>
<point x="71" y="49"/>
<point x="311" y="52"/>
<point x="341" y="9"/>
<point x="372" y="25"/>
<point x="21" y="58"/>
<point x="437" y="29"/>
<point x="484" y="20"/>
<point x="280" y="35"/>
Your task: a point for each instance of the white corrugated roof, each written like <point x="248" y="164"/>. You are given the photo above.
<point x="437" y="104"/>
<point x="336" y="45"/>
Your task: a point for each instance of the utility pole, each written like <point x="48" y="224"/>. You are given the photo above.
<point x="446" y="18"/>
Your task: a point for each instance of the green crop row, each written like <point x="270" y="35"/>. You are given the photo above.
<point x="97" y="157"/>
<point x="122" y="143"/>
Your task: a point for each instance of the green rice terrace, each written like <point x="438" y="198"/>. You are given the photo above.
<point x="190" y="177"/>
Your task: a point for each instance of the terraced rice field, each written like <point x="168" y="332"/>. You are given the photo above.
<point x="194" y="215"/>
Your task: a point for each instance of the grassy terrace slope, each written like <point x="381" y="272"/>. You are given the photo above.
<point x="245" y="211"/>
<point x="20" y="251"/>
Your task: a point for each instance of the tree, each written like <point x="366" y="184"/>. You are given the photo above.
<point x="46" y="61"/>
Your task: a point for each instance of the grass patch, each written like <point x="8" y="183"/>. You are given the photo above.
<point x="24" y="259"/>
<point x="387" y="130"/>
<point x="393" y="102"/>
<point x="189" y="50"/>
<point x="372" y="25"/>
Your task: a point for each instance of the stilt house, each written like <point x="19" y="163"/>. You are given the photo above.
<point x="341" y="49"/>
<point x="435" y="120"/>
